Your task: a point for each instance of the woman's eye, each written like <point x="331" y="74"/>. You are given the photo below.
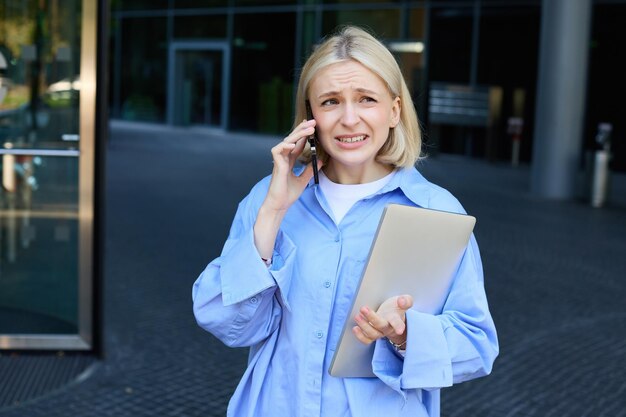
<point x="368" y="100"/>
<point x="329" y="102"/>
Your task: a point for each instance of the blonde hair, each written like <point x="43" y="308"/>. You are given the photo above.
<point x="403" y="146"/>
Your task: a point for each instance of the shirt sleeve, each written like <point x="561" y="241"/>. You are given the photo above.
<point x="455" y="346"/>
<point x="237" y="297"/>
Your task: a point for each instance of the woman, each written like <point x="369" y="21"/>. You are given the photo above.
<point x="288" y="271"/>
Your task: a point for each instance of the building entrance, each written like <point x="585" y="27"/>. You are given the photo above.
<point x="198" y="84"/>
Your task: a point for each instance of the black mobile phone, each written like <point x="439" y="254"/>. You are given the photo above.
<point x="309" y="116"/>
<point x="312" y="142"/>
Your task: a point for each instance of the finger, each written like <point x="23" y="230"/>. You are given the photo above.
<point x="398" y="324"/>
<point x="282" y="149"/>
<point x="375" y="319"/>
<point x="367" y="328"/>
<point x="304" y="129"/>
<point x="356" y="330"/>
<point x="297" y="150"/>
<point x="282" y="163"/>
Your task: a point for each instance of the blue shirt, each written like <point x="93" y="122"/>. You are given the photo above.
<point x="292" y="313"/>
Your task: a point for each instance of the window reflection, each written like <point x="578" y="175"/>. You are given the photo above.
<point x="143" y="80"/>
<point x="39" y="74"/>
<point x="195" y="4"/>
<point x="411" y="62"/>
<point x="264" y="3"/>
<point x="356" y="1"/>
<point x="384" y="23"/>
<point x="194" y="27"/>
<point x="38" y="245"/>
<point x="417" y="23"/>
<point x="139" y="4"/>
<point x="450" y="30"/>
<point x="262" y="88"/>
<point x="39" y="98"/>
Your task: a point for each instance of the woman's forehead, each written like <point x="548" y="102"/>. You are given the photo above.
<point x="345" y="75"/>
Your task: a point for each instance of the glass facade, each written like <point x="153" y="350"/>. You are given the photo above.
<point x="44" y="299"/>
<point x="261" y="89"/>
<point x="468" y="43"/>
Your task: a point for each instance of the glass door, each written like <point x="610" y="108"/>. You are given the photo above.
<point x="46" y="159"/>
<point x="198" y="84"/>
<point x="198" y="91"/>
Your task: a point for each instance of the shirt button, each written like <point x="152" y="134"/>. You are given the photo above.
<point x="337" y="238"/>
<point x="319" y="335"/>
<point x="253" y="300"/>
<point x="327" y="284"/>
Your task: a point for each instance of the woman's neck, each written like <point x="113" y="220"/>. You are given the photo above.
<point x="356" y="175"/>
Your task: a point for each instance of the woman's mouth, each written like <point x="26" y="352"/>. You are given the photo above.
<point x="351" y="139"/>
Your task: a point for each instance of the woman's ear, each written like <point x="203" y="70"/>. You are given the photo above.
<point x="396" y="109"/>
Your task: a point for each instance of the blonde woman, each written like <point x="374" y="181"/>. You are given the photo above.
<point x="286" y="277"/>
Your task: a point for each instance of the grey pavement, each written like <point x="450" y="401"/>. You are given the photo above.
<point x="555" y="278"/>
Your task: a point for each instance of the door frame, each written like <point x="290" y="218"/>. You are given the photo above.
<point x="87" y="335"/>
<point x="199" y="45"/>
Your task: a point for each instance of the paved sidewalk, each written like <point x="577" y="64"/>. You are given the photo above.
<point x="555" y="277"/>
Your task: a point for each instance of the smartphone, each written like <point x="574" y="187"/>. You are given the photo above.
<point x="312" y="142"/>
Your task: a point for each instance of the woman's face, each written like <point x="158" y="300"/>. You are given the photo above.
<point x="354" y="112"/>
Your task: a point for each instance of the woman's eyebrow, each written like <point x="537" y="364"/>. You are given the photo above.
<point x="335" y="93"/>
<point x="328" y="94"/>
<point x="366" y="91"/>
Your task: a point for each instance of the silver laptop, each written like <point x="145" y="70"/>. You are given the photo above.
<point x="416" y="251"/>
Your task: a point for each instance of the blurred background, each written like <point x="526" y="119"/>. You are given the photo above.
<point x="129" y="129"/>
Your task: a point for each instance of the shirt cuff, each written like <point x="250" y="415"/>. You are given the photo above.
<point x="243" y="273"/>
<point x="427" y="362"/>
<point x="387" y="365"/>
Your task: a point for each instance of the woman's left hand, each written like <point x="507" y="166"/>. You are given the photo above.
<point x="388" y="321"/>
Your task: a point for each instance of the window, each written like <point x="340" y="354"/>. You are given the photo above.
<point x="450" y="47"/>
<point x="143" y="77"/>
<point x="195" y="27"/>
<point x="263" y="72"/>
<point x="384" y="23"/>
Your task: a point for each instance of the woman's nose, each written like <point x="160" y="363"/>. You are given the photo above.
<point x="350" y="115"/>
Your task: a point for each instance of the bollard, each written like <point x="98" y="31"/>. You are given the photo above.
<point x="514" y="128"/>
<point x="600" y="179"/>
<point x="600" y="182"/>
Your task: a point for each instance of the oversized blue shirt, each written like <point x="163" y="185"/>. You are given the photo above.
<point x="292" y="314"/>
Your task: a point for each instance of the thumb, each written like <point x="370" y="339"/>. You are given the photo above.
<point x="405" y="302"/>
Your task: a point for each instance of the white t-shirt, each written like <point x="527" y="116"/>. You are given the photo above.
<point x="341" y="197"/>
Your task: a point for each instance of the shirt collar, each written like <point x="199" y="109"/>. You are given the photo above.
<point x="413" y="184"/>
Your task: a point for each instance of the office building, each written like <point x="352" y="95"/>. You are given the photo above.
<point x="231" y="65"/>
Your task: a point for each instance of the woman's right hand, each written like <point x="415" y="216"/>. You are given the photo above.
<point x="285" y="187"/>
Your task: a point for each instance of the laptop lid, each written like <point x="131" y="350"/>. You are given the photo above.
<point x="415" y="251"/>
